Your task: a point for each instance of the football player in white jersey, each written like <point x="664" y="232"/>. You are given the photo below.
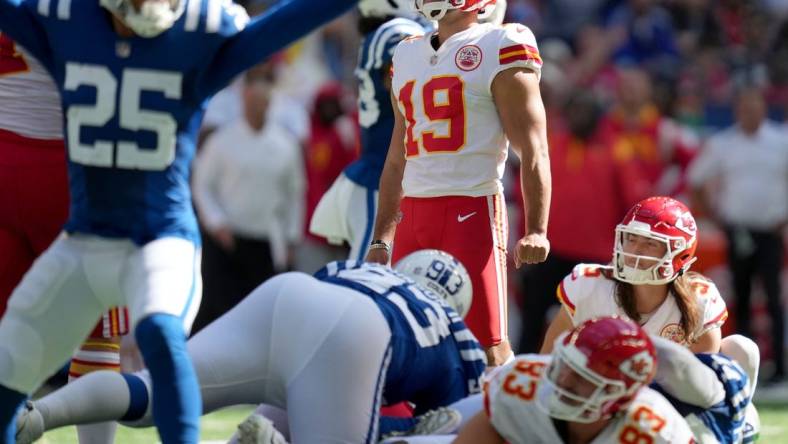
<point x="591" y="389"/>
<point x="648" y="282"/>
<point x="459" y="94"/>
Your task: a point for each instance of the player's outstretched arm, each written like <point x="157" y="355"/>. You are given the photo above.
<point x="685" y="377"/>
<point x="284" y="23"/>
<point x="519" y="103"/>
<point x="18" y="21"/>
<point x="390" y="193"/>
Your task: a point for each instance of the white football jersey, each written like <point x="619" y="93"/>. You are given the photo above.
<point x="454" y="142"/>
<point x="510" y="403"/>
<point x="31" y="102"/>
<point x="589" y="292"/>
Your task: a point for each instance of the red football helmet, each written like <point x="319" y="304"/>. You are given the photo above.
<point x="663" y="220"/>
<point x="436" y="9"/>
<point x="597" y="369"/>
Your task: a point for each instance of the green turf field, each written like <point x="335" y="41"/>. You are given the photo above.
<point x="216" y="428"/>
<point x="219" y="426"/>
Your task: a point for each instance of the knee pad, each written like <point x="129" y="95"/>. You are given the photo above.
<point x="21" y="355"/>
<point x="745" y="352"/>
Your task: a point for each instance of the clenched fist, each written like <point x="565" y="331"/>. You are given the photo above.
<point x="531" y="249"/>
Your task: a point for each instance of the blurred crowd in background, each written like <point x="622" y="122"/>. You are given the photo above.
<point x="687" y="98"/>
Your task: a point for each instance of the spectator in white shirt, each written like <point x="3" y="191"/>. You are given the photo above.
<point x="249" y="193"/>
<point x="740" y="180"/>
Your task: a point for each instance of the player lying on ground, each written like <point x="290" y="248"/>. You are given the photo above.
<point x="591" y="389"/>
<point x="711" y="391"/>
<point x="331" y="348"/>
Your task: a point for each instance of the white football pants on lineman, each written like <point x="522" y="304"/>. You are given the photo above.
<point x="77" y="278"/>
<point x="318" y="350"/>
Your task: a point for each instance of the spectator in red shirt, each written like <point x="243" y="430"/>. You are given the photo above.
<point x="332" y="145"/>
<point x="632" y="125"/>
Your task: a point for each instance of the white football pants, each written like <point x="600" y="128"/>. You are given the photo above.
<point x="76" y="279"/>
<point x="318" y="350"/>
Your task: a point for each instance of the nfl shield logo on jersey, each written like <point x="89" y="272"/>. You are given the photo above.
<point x="468" y="58"/>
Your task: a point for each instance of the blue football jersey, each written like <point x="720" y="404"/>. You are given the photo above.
<point x="133" y="106"/>
<point x="375" y="115"/>
<point x="435" y="359"/>
<point x="726" y="418"/>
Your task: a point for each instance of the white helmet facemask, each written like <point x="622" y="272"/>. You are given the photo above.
<point x="152" y="19"/>
<point x="660" y="271"/>
<point x="494" y="14"/>
<point x="562" y="403"/>
<point x="436" y="10"/>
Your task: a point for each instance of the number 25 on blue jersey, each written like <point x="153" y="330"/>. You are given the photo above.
<point x="126" y="154"/>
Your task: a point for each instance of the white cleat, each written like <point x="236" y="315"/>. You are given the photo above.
<point x="29" y="424"/>
<point x="257" y="429"/>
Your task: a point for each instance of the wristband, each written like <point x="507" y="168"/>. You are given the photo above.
<point x="380" y="245"/>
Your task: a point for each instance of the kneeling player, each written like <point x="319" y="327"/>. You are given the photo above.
<point x="331" y="348"/>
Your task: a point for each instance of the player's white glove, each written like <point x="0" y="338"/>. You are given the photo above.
<point x="441" y="421"/>
<point x="257" y="429"/>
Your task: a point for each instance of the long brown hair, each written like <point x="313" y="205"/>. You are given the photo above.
<point x="682" y="292"/>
